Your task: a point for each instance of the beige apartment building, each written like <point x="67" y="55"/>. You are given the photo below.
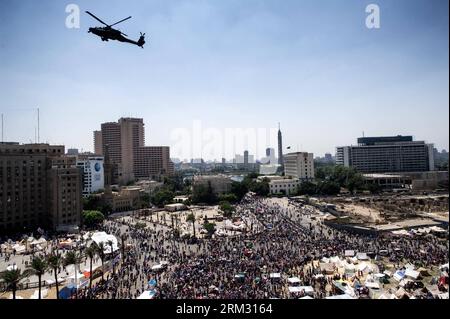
<point x="130" y="158"/>
<point x="39" y="187"/>
<point x="299" y="165"/>
<point x="98" y="142"/>
<point x="220" y="184"/>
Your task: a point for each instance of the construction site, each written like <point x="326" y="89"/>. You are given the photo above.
<point x="377" y="214"/>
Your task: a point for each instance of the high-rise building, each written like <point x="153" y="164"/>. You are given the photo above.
<point x="129" y="158"/>
<point x="280" y="147"/>
<point x="299" y="165"/>
<point x="39" y="187"/>
<point x="132" y="138"/>
<point x="111" y="138"/>
<point x="98" y="143"/>
<point x="387" y="155"/>
<point x="153" y="162"/>
<point x="72" y="151"/>
<point x="246" y="159"/>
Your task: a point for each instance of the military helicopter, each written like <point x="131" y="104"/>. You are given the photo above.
<point x="108" y="33"/>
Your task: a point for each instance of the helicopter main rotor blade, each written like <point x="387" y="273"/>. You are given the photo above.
<point x="120" y="21"/>
<point x="96" y="18"/>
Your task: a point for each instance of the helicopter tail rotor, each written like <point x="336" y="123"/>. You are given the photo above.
<point x="141" y="40"/>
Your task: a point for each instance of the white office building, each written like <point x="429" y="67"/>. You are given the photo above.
<point x="93" y="174"/>
<point x="299" y="165"/>
<point x="282" y="185"/>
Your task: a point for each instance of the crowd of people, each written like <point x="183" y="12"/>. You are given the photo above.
<point x="239" y="267"/>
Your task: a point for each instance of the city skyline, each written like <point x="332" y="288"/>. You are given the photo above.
<point x="325" y="82"/>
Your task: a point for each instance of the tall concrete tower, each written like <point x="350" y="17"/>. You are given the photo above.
<point x="280" y="146"/>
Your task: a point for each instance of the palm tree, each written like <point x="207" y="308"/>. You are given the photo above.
<point x="90" y="252"/>
<point x="123" y="247"/>
<point x="191" y="218"/>
<point x="101" y="253"/>
<point x="74" y="258"/>
<point x="110" y="244"/>
<point x="12" y="279"/>
<point x="38" y="267"/>
<point x="54" y="261"/>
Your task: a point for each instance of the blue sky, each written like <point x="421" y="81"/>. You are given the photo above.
<point x="311" y="65"/>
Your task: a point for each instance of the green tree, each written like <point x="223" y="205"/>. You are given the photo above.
<point x="229" y="197"/>
<point x="91" y="252"/>
<point x="96" y="203"/>
<point x="111" y="247"/>
<point x="226" y="208"/>
<point x="260" y="188"/>
<point x="210" y="228"/>
<point x="204" y="194"/>
<point x="54" y="261"/>
<point x="92" y="218"/>
<point x="307" y="188"/>
<point x="38" y="267"/>
<point x="355" y="182"/>
<point x="101" y="253"/>
<point x="328" y="188"/>
<point x="374" y="188"/>
<point x="239" y="190"/>
<point x="163" y="197"/>
<point x="12" y="278"/>
<point x="191" y="219"/>
<point x="75" y="259"/>
<point x="145" y="200"/>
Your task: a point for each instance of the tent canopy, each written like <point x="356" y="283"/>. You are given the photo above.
<point x="294" y="280"/>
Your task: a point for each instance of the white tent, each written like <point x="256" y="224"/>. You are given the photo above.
<point x="372" y="284"/>
<point x="52" y="281"/>
<point x="102" y="237"/>
<point x="325" y="260"/>
<point x="335" y="259"/>
<point x="437" y="229"/>
<point x="362" y="256"/>
<point x="157" y="267"/>
<point x="306" y="297"/>
<point x="306" y="289"/>
<point x="294" y="280"/>
<point x="401" y="232"/>
<point x="11" y="267"/>
<point x="387" y="296"/>
<point x="275" y="275"/>
<point x="344" y="296"/>
<point x="147" y="295"/>
<point x="349" y="253"/>
<point x="35" y="295"/>
<point x="443" y="295"/>
<point x="412" y="273"/>
<point x="364" y="267"/>
<point x="19" y="248"/>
